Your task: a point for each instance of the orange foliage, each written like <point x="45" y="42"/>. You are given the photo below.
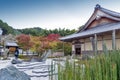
<point x="24" y="41"/>
<point x="38" y="43"/>
<point x="53" y="37"/>
<point x="12" y="49"/>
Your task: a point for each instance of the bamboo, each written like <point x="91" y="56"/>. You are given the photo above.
<point x="102" y="67"/>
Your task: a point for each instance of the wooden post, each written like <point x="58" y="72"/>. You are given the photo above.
<point x="104" y="48"/>
<point x="63" y="48"/>
<point x="103" y="44"/>
<point x="84" y="46"/>
<point x="95" y="43"/>
<point x="92" y="42"/>
<point x="73" y="48"/>
<point x="113" y="39"/>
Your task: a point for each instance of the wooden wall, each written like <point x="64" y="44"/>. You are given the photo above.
<point x="107" y="39"/>
<point x="100" y="21"/>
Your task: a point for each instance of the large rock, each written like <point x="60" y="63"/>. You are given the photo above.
<point x="12" y="73"/>
<point x="16" y="61"/>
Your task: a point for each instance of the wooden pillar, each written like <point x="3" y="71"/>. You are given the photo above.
<point x="103" y="44"/>
<point x="73" y="48"/>
<point x="95" y="43"/>
<point x="84" y="46"/>
<point x="63" y="48"/>
<point x="92" y="43"/>
<point x="113" y="39"/>
<point x="104" y="48"/>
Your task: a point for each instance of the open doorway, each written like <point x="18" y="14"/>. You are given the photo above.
<point x="78" y="49"/>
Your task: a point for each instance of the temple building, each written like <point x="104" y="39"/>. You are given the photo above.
<point x="101" y="32"/>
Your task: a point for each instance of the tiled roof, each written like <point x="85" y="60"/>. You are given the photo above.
<point x="95" y="30"/>
<point x="111" y="15"/>
<point x="11" y="44"/>
<point x="83" y="32"/>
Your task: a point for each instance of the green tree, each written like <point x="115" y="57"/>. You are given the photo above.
<point x="6" y="28"/>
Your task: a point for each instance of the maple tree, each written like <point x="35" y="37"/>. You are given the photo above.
<point x="36" y="42"/>
<point x="53" y="37"/>
<point x="40" y="44"/>
<point x="24" y="41"/>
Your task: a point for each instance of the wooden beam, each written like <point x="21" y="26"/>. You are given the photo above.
<point x="114" y="40"/>
<point x="95" y="43"/>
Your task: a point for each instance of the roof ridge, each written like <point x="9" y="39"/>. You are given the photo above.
<point x="110" y="24"/>
<point x="111" y="14"/>
<point x="97" y="6"/>
<point x="108" y="11"/>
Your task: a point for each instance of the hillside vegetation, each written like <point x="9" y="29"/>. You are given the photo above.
<point x="6" y="28"/>
<point x="35" y="31"/>
<point x="39" y="40"/>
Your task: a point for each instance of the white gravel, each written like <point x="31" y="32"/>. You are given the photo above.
<point x="37" y="70"/>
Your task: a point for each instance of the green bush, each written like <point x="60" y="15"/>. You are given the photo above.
<point x="24" y="57"/>
<point x="63" y="47"/>
<point x="67" y="49"/>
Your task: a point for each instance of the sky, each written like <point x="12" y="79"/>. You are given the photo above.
<point x="51" y="14"/>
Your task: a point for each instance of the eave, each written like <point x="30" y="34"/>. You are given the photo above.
<point x="96" y="30"/>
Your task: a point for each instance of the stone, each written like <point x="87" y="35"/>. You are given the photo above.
<point x="16" y="61"/>
<point x="12" y="73"/>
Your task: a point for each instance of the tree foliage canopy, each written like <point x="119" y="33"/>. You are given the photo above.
<point x="24" y="41"/>
<point x="6" y="28"/>
<point x="39" y="39"/>
<point x="36" y="31"/>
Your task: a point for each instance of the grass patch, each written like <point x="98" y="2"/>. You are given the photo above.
<point x="24" y="57"/>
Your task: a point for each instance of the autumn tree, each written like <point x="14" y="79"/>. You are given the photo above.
<point x="44" y="45"/>
<point x="53" y="37"/>
<point x="40" y="44"/>
<point x="37" y="43"/>
<point x="24" y="41"/>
